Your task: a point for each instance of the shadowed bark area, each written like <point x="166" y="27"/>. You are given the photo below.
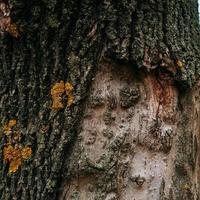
<point x="65" y="40"/>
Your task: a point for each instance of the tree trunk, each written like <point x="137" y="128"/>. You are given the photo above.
<point x="99" y="100"/>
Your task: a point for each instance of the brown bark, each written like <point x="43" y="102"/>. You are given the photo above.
<point x="64" y="135"/>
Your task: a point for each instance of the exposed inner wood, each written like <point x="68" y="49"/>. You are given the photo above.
<point x="129" y="139"/>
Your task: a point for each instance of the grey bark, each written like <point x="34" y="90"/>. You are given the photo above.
<point x="148" y="54"/>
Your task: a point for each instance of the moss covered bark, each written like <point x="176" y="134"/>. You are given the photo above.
<point x="64" y="40"/>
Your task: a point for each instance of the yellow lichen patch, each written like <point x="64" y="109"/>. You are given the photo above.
<point x="12" y="29"/>
<point x="26" y="153"/>
<point x="70" y="100"/>
<point x="14" y="156"/>
<point x="8" y="127"/>
<point x="60" y="90"/>
<point x="8" y="153"/>
<point x="14" y="165"/>
<point x="68" y="89"/>
<point x="57" y="91"/>
<point x="13" y="153"/>
<point x="180" y="64"/>
<point x="12" y="123"/>
<point x="15" y="160"/>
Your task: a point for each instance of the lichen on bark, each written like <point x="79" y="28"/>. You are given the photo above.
<point x="66" y="40"/>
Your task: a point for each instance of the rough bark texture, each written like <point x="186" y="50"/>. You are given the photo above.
<point x="137" y="140"/>
<point x="136" y="135"/>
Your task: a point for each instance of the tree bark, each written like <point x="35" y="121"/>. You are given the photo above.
<point x="99" y="100"/>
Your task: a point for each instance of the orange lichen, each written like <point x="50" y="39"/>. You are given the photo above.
<point x="70" y="100"/>
<point x="68" y="89"/>
<point x="12" y="122"/>
<point x="13" y="153"/>
<point x="8" y="153"/>
<point x="14" y="165"/>
<point x="26" y="153"/>
<point x="57" y="92"/>
<point x="14" y="156"/>
<point x="9" y="126"/>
